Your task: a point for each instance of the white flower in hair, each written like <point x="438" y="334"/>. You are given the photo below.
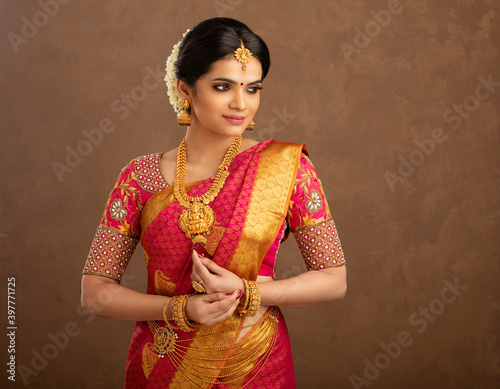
<point x="170" y="78"/>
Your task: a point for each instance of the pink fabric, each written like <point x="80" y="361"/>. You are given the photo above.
<point x="141" y="179"/>
<point x="163" y="238"/>
<point x="168" y="249"/>
<point x="308" y="206"/>
<point x="277" y="373"/>
<point x="268" y="265"/>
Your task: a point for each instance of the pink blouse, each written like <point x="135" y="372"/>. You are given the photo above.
<point x="118" y="234"/>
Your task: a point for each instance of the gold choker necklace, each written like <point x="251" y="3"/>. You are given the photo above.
<point x="197" y="218"/>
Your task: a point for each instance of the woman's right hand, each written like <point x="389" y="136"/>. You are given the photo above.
<point x="210" y="309"/>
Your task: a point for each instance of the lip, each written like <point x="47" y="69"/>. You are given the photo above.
<point x="233" y="119"/>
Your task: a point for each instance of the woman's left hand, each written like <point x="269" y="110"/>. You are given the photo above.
<point x="215" y="278"/>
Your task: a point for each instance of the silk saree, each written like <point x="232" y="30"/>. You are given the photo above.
<point x="272" y="189"/>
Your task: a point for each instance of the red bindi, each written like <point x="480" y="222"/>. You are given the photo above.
<point x="241" y="84"/>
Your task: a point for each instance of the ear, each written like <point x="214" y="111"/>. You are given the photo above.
<point x="184" y="90"/>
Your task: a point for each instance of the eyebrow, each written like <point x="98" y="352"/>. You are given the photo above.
<point x="234" y="82"/>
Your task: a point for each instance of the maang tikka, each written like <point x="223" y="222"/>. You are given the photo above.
<point x="243" y="55"/>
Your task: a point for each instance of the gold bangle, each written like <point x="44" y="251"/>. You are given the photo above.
<point x="192" y="325"/>
<point x="179" y="313"/>
<point x="165" y="318"/>
<point x="247" y="294"/>
<point x="252" y="299"/>
<point x="242" y="308"/>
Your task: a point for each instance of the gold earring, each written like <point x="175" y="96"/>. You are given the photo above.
<point x="250" y="126"/>
<point x="184" y="118"/>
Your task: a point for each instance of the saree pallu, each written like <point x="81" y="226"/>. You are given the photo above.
<point x="250" y="213"/>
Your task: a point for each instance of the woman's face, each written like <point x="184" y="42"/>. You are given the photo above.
<point x="226" y="99"/>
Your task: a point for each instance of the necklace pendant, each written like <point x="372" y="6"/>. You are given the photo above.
<point x="197" y="218"/>
<point x="196" y="222"/>
<point x="199" y="240"/>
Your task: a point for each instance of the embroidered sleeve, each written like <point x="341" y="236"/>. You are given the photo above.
<point x="320" y="245"/>
<point x="311" y="222"/>
<point x="119" y="230"/>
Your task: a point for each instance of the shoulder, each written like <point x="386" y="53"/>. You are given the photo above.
<point x="146" y="171"/>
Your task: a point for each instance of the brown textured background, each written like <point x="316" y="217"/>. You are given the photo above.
<point x="441" y="223"/>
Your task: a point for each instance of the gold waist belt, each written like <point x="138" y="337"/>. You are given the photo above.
<point x="205" y="359"/>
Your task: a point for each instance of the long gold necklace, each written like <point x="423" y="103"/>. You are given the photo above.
<point x="197" y="218"/>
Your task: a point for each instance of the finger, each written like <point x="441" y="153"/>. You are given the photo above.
<point x="216" y="297"/>
<point x="221" y="309"/>
<point x="218" y="303"/>
<point x="228" y="311"/>
<point x="197" y="264"/>
<point x="226" y="303"/>
<point x="202" y="270"/>
<point x="211" y="265"/>
<point x="195" y="276"/>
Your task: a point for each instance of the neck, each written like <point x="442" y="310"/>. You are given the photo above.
<point x="206" y="147"/>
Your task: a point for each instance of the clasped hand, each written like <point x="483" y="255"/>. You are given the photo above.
<point x="223" y="292"/>
<point x="215" y="278"/>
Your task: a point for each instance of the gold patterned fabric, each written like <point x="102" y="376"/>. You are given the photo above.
<point x="320" y="245"/>
<point x="109" y="254"/>
<point x="268" y="206"/>
<point x="147" y="171"/>
<point x="274" y="181"/>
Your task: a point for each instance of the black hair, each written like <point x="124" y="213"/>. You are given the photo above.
<point x="212" y="40"/>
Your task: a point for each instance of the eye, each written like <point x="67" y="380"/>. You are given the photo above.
<point x="221" y="87"/>
<point x="254" y="89"/>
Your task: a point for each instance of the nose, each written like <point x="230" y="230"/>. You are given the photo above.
<point x="238" y="101"/>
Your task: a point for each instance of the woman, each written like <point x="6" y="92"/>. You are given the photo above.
<point x="211" y="215"/>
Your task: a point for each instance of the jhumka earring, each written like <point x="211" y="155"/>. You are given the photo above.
<point x="250" y="126"/>
<point x="184" y="118"/>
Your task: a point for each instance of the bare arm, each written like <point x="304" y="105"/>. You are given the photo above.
<point x="306" y="289"/>
<point x="106" y="298"/>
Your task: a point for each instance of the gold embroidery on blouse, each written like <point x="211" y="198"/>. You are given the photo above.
<point x="320" y="246"/>
<point x="109" y="253"/>
<point x="147" y="171"/>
